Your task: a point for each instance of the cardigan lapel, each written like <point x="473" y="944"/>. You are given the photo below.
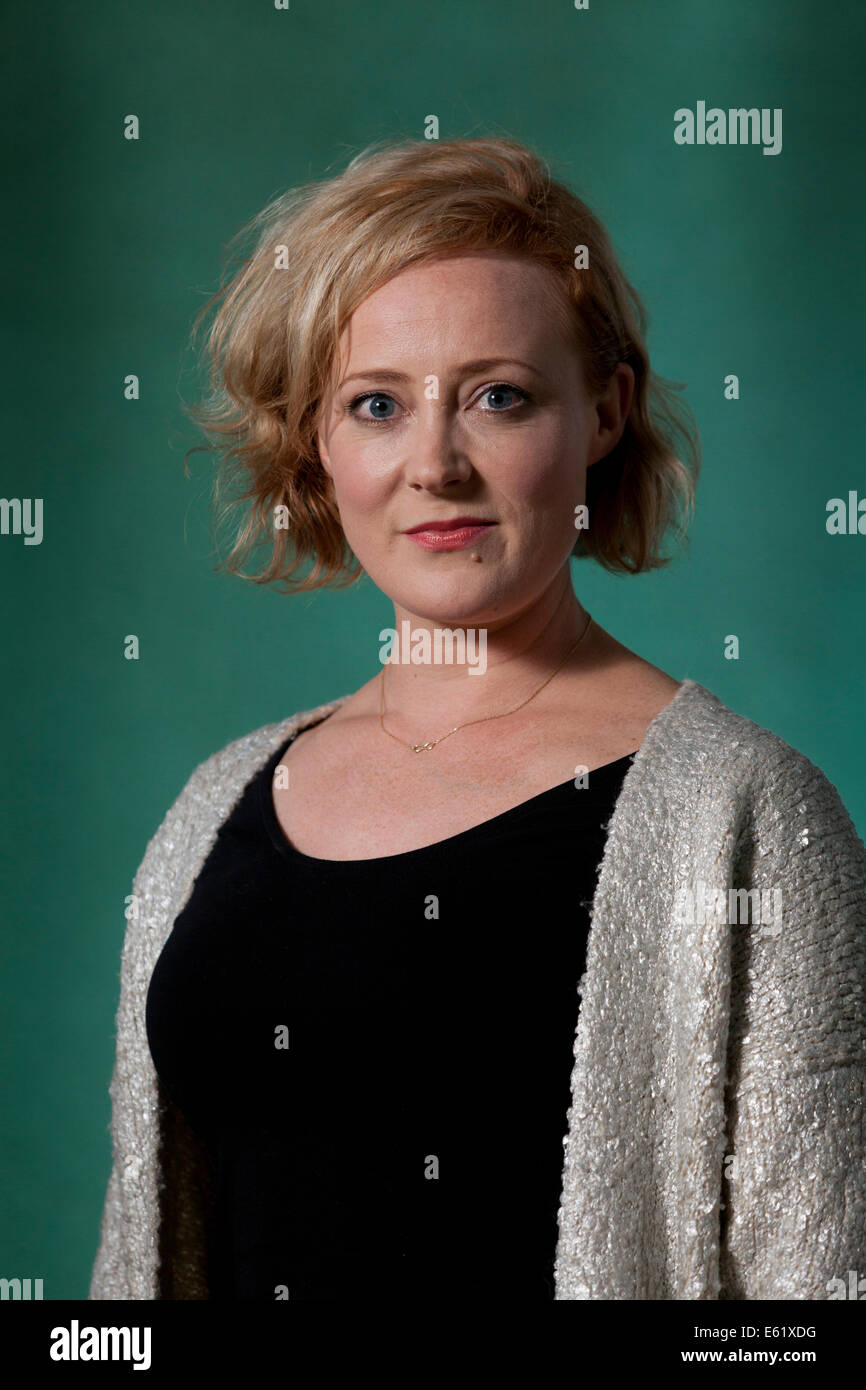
<point x="643" y="1153"/>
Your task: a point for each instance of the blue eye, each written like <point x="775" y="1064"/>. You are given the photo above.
<point x="371" y="396"/>
<point x="501" y="388"/>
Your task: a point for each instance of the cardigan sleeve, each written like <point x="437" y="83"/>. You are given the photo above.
<point x="794" y="1186"/>
<point x="126" y="1262"/>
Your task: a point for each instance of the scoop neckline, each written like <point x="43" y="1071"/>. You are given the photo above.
<point x="285" y="847"/>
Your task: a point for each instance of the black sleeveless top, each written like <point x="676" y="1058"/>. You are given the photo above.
<point x="378" y="1052"/>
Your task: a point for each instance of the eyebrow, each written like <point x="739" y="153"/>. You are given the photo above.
<point x="480" y="364"/>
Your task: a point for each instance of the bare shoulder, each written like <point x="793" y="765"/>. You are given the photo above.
<point x="622" y="680"/>
<point x="339" y="738"/>
<point x="646" y="686"/>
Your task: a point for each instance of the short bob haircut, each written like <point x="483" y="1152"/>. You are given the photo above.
<point x="323" y="248"/>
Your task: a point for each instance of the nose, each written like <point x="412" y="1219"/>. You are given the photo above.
<point x="436" y="454"/>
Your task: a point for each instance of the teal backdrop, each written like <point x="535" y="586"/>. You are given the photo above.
<point x="749" y="264"/>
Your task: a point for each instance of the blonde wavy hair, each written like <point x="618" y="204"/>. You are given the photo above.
<point x="274" y="338"/>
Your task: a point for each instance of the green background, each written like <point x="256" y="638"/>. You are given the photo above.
<point x="748" y="263"/>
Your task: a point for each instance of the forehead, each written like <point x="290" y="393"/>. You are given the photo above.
<point x="450" y="298"/>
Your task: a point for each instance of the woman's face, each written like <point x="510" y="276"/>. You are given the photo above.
<point x="458" y="395"/>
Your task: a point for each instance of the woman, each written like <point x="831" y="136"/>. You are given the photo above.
<point x="390" y="956"/>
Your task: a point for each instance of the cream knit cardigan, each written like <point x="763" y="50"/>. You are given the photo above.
<point x="716" y="1146"/>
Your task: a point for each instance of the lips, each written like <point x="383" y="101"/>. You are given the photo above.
<point x="453" y="524"/>
<point x="453" y="534"/>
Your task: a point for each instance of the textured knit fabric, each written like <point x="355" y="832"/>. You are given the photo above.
<point x="716" y="1139"/>
<point x="450" y="1011"/>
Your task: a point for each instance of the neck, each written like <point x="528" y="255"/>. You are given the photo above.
<point x="503" y="659"/>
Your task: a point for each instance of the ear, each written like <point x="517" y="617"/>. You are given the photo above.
<point x="612" y="410"/>
<point x="322" y="451"/>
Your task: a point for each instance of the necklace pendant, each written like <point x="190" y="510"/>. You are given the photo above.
<point x="422" y="747"/>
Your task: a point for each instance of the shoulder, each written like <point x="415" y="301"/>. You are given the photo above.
<point x="756" y="774"/>
<point x="238" y="760"/>
<point x="212" y="789"/>
<point x="721" y="739"/>
<point x="769" y="819"/>
<point x="216" y="783"/>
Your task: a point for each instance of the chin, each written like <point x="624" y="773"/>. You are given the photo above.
<point x="471" y="605"/>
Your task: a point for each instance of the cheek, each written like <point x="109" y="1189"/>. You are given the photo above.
<point x="544" y="472"/>
<point x="359" y="489"/>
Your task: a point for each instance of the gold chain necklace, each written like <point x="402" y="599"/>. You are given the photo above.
<point x="431" y="743"/>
